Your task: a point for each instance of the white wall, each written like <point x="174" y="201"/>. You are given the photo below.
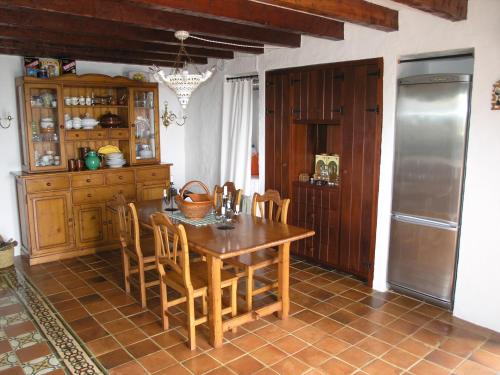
<point x="172" y="140"/>
<point x="478" y="283"/>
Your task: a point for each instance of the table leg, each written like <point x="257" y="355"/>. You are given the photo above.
<point x="214" y="301"/>
<point x="284" y="280"/>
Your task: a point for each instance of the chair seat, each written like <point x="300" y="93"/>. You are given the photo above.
<point x="257" y="259"/>
<point x="199" y="276"/>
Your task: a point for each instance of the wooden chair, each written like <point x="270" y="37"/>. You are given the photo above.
<point x="134" y="248"/>
<point x="188" y="279"/>
<point x="235" y="193"/>
<point x="277" y="211"/>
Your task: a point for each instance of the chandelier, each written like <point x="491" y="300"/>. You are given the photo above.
<point x="180" y="80"/>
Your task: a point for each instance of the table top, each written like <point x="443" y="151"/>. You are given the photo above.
<point x="249" y="234"/>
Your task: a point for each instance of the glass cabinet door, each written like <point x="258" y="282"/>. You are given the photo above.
<point x="145" y="126"/>
<point x="43" y="130"/>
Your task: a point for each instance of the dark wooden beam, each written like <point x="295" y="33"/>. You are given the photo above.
<point x="51" y="21"/>
<point x="453" y="10"/>
<point x="251" y="13"/>
<point x="354" y="11"/>
<point x="110" y="10"/>
<point x="87" y="52"/>
<point x="71" y="40"/>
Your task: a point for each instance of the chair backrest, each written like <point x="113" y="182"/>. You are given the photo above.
<point x="235" y="193"/>
<point x="277" y="208"/>
<point x="171" y="248"/>
<point x="130" y="236"/>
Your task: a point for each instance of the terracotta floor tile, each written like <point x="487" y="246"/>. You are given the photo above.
<point x="428" y="368"/>
<point x="174" y="370"/>
<point x="290" y="344"/>
<point x="459" y="347"/>
<point x="84" y="323"/>
<point x="359" y="309"/>
<point x="373" y="301"/>
<point x="129" y="368"/>
<point x="270" y="332"/>
<point x="34" y="351"/>
<point x="443" y="359"/>
<point x="308" y="316"/>
<point x="343" y="316"/>
<point x="328" y="325"/>
<point x="331" y="345"/>
<point x="245" y="365"/>
<point x="92" y="333"/>
<point x="152" y="329"/>
<point x="143" y="318"/>
<point x="249" y="342"/>
<point x="429" y="310"/>
<point x="407" y="302"/>
<point x="400" y="358"/>
<point x="131" y="309"/>
<point x="374" y="346"/>
<point x="169" y="338"/>
<point x="337" y="367"/>
<point x="389" y="336"/>
<point x="181" y="352"/>
<point x="353" y="294"/>
<point x="74" y="314"/>
<point x="290" y="325"/>
<point x="379" y="367"/>
<point x="312" y="356"/>
<point x="108" y="316"/>
<point x="492" y="346"/>
<point x="403" y="326"/>
<point x="114" y="359"/>
<point x="227" y="353"/>
<point x="142" y="348"/>
<point x="269" y="354"/>
<point x="393" y="309"/>
<point x="290" y="366"/>
<point x="118" y="325"/>
<point x="131" y="336"/>
<point x="201" y="364"/>
<point x="473" y="368"/>
<point x="487" y="359"/>
<point x="428" y="337"/>
<point x="349" y="335"/>
<point x="355" y="357"/>
<point x="223" y="370"/>
<point x="415" y="347"/>
<point x="5" y="346"/>
<point x="310" y="334"/>
<point x="18" y="329"/>
<point x="12" y="371"/>
<point x="103" y="345"/>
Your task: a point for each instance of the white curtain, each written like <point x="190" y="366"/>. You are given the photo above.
<point x="236" y="137"/>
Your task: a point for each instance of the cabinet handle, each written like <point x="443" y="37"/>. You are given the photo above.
<point x="77" y="135"/>
<point x="61" y="126"/>
<point x="48" y="184"/>
<point x="153" y="174"/>
<point x="70" y="220"/>
<point x="89" y="180"/>
<point x="120" y="177"/>
<point x="89" y="195"/>
<point x="132" y="125"/>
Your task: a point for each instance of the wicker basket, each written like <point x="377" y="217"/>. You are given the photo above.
<point x="201" y="205"/>
<point x="7" y="255"/>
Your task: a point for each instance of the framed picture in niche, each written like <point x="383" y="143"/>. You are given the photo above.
<point x="495" y="97"/>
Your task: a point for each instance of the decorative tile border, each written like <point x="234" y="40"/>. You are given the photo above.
<point x="68" y="347"/>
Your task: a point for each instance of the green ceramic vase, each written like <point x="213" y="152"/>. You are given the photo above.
<point x="92" y="161"/>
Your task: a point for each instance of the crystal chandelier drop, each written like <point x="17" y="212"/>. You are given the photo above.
<point x="180" y="80"/>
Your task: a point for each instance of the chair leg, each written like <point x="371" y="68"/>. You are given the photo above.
<point x="164" y="308"/>
<point x="249" y="296"/>
<point x="190" y="322"/>
<point x="234" y="302"/>
<point x="142" y="283"/>
<point x="126" y="272"/>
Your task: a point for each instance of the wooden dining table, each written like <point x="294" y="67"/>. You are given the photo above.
<point x="248" y="235"/>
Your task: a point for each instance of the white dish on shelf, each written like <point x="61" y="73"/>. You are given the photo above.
<point x="114" y="155"/>
<point x="146" y="154"/>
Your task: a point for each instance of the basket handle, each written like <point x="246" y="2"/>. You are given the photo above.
<point x="181" y="193"/>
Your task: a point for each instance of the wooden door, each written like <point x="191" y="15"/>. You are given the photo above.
<point x="91" y="225"/>
<point x="333" y="94"/>
<point x="299" y="89"/>
<point x="316" y="95"/>
<point x="147" y="192"/>
<point x="50" y="222"/>
<point x="361" y="129"/>
<point x="278" y="133"/>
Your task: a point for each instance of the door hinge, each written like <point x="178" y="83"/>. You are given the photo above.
<point x="340" y="76"/>
<point x="294" y="81"/>
<point x="374" y="74"/>
<point x="296" y="111"/>
<point x="338" y="110"/>
<point x="269" y="111"/>
<point x="374" y="110"/>
<point x="269" y="83"/>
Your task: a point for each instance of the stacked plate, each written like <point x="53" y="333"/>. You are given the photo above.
<point x="115" y="160"/>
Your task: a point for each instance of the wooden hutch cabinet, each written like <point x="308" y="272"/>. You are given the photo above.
<point x="64" y="214"/>
<point x="334" y="109"/>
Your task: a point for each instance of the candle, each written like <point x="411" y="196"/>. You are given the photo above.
<point x="164" y="193"/>
<point x="225" y="190"/>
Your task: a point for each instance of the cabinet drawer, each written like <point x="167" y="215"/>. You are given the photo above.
<point x="98" y="134"/>
<point x="144" y="175"/>
<point x="125" y="177"/>
<point x="75" y="135"/>
<point x="128" y="191"/>
<point x="47" y="183"/>
<point x="118" y="133"/>
<point x="90" y="179"/>
<point x="97" y="194"/>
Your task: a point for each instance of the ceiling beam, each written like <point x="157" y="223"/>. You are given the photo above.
<point x="56" y="22"/>
<point x="72" y="40"/>
<point x="251" y="13"/>
<point x="110" y="10"/>
<point x="89" y="52"/>
<point x="455" y="10"/>
<point x="360" y="12"/>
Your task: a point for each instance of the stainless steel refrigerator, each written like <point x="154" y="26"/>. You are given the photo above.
<point x="432" y="119"/>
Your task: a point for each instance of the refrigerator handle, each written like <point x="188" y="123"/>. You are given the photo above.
<point x="426" y="222"/>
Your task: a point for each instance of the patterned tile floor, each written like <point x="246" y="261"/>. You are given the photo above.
<point x="338" y="326"/>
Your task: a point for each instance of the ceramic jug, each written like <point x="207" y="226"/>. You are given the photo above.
<point x="92" y="161"/>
